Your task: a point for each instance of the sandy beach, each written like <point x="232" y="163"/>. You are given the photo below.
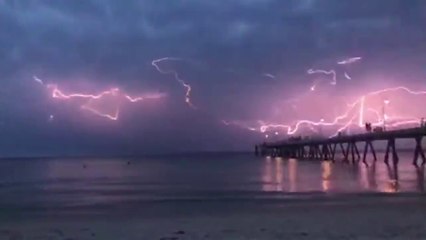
<point x="361" y="217"/>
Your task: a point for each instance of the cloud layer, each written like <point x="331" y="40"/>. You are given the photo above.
<point x="229" y="45"/>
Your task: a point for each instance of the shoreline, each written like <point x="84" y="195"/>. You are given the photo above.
<point x="238" y="200"/>
<point x="362" y="217"/>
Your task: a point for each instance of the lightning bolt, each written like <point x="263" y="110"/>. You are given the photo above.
<point x="38" y="80"/>
<point x="239" y="124"/>
<point x="349" y="61"/>
<point x="356" y="110"/>
<point x="113" y="117"/>
<point x="361" y="112"/>
<point x="185" y="85"/>
<point x="320" y="71"/>
<point x="116" y="93"/>
<point x="347" y="76"/>
<point x="333" y="72"/>
<point x="268" y="75"/>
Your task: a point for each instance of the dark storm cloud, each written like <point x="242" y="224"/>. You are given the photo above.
<point x="112" y="41"/>
<point x="52" y="25"/>
<point x="110" y="28"/>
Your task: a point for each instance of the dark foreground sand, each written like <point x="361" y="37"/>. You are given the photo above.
<point x="378" y="217"/>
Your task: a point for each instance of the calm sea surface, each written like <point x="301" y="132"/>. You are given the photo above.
<point x="42" y="183"/>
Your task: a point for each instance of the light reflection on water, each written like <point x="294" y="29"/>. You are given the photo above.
<point x="100" y="181"/>
<point x="310" y="176"/>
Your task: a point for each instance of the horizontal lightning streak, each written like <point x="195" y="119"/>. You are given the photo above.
<point x="349" y="61"/>
<point x="113" y="92"/>
<point x="350" y="114"/>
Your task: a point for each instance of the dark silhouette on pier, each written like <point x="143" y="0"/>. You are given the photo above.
<point x="326" y="148"/>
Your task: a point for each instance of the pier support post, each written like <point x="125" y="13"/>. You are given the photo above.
<point x="325" y="152"/>
<point x="358" y="156"/>
<point x="373" y="151"/>
<point x="345" y="156"/>
<point x="299" y="152"/>
<point x="347" y="152"/>
<point x="391" y="147"/>
<point x="364" y="157"/>
<point x="303" y="152"/>
<point x="352" y="151"/>
<point x="311" y="152"/>
<point x="333" y="152"/>
<point x="419" y="151"/>
<point x="395" y="157"/>
<point x="330" y="152"/>
<point x="369" y="144"/>
<point x="387" y="153"/>
<point x="314" y="153"/>
<point x="319" y="152"/>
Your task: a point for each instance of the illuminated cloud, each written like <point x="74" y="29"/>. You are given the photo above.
<point x="112" y="43"/>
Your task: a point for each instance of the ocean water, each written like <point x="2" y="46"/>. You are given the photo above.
<point x="113" y="183"/>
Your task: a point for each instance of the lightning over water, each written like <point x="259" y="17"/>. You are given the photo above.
<point x="364" y="109"/>
<point x="115" y="94"/>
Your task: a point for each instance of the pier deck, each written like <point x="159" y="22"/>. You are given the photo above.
<point x="325" y="148"/>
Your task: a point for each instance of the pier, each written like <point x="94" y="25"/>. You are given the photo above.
<point x="347" y="146"/>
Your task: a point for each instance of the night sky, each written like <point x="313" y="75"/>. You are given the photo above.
<point x="242" y="58"/>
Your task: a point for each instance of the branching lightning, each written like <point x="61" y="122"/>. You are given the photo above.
<point x="320" y="71"/>
<point x="360" y="102"/>
<point x="353" y="116"/>
<point x="185" y="85"/>
<point x="333" y="72"/>
<point x="115" y="93"/>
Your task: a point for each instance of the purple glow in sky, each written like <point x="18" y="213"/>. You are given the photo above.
<point x="241" y="69"/>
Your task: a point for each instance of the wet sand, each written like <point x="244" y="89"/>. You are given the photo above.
<point x="360" y="217"/>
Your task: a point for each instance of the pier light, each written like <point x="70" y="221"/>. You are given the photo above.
<point x="277" y="133"/>
<point x="266" y="136"/>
